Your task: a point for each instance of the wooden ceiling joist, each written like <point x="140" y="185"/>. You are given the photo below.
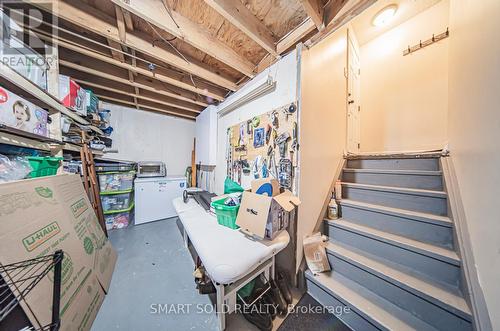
<point x="117" y="55"/>
<point x="120" y="24"/>
<point x="295" y="36"/>
<point x="65" y="43"/>
<point x="314" y="8"/>
<point x="144" y="107"/>
<point x="155" y="12"/>
<point x="91" y="84"/>
<point x="332" y="8"/>
<point x="102" y="74"/>
<point x="236" y="13"/>
<point x="86" y="17"/>
<point x="90" y="81"/>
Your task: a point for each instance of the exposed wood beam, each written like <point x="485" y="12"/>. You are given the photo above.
<point x="341" y="19"/>
<point x="295" y="35"/>
<point x="120" y="24"/>
<point x="126" y="81"/>
<point x="332" y="9"/>
<point x="157" y="76"/>
<point x="144" y="107"/>
<point x="128" y="19"/>
<point x="86" y="17"/>
<point x="155" y="12"/>
<point x="136" y="89"/>
<point x="120" y="91"/>
<point x="236" y="13"/>
<point x="314" y="9"/>
<point x="116" y="55"/>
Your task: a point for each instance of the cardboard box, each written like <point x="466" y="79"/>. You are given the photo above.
<point x="72" y="95"/>
<point x="21" y="114"/>
<point x="39" y="216"/>
<point x="266" y="214"/>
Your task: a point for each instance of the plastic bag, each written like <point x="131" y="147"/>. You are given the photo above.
<point x="231" y="186"/>
<point x="314" y="251"/>
<point x="13" y="169"/>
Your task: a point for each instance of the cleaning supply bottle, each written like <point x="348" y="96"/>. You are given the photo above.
<point x="333" y="208"/>
<point x="338" y="189"/>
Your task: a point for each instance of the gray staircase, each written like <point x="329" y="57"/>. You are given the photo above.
<point x="392" y="253"/>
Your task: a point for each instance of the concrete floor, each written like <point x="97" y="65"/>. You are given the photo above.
<point x="153" y="268"/>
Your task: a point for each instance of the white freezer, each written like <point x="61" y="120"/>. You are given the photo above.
<point x="153" y="197"/>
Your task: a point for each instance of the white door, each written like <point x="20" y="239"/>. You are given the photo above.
<point x="353" y="94"/>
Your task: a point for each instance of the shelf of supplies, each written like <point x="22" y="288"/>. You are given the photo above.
<point x="69" y="147"/>
<point x="16" y="137"/>
<point x="15" y="82"/>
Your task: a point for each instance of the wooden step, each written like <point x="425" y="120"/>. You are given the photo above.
<point x="440" y="264"/>
<point x="440" y="306"/>
<point x="425" y="227"/>
<point x="377" y="311"/>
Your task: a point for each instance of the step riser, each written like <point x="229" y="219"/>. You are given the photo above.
<point x="424" y="182"/>
<point x="427" y="311"/>
<point x="436" y="269"/>
<point x="422" y="231"/>
<point x="351" y="319"/>
<point x="395" y="164"/>
<point x="425" y="204"/>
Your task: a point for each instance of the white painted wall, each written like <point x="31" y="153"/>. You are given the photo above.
<point x="323" y="120"/>
<point x="285" y="73"/>
<point x="474" y="133"/>
<point x="145" y="136"/>
<point x="404" y="104"/>
<point x="206" y="136"/>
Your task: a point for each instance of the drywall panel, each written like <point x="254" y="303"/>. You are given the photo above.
<point x="322" y="127"/>
<point x="474" y="133"/>
<point x="206" y="137"/>
<point x="144" y="136"/>
<point x="404" y="102"/>
<point x="284" y="73"/>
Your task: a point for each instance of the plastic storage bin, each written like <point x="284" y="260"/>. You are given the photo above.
<point x="112" y="203"/>
<point x="226" y="215"/>
<point x="102" y="167"/>
<point x="116" y="181"/>
<point x="119" y="220"/>
<point x="44" y="165"/>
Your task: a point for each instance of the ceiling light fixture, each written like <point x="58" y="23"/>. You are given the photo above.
<point x="384" y="16"/>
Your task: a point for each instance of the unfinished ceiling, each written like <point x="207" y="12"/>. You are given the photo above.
<point x="178" y="56"/>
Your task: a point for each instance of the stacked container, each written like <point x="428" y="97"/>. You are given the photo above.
<point x="116" y="184"/>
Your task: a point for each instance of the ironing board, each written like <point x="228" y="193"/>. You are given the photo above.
<point x="230" y="258"/>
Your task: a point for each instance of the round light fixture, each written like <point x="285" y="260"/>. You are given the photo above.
<point x="385" y="15"/>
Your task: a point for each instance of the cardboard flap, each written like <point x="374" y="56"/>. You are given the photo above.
<point x="287" y="200"/>
<point x="266" y="186"/>
<point x="252" y="216"/>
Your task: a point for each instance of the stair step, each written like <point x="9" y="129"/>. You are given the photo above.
<point x="419" y="179"/>
<point x="433" y="251"/>
<point x="428" y="261"/>
<point x="410" y="214"/>
<point x="401" y="163"/>
<point x="426" y="201"/>
<point x="381" y="313"/>
<point x="425" y="227"/>
<point x="445" y="299"/>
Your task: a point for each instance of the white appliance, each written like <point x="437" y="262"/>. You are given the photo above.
<point x="153" y="197"/>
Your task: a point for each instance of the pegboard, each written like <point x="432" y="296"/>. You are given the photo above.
<point x="243" y="145"/>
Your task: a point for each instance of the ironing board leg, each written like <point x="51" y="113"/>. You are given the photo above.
<point x="221" y="316"/>
<point x="185" y="237"/>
